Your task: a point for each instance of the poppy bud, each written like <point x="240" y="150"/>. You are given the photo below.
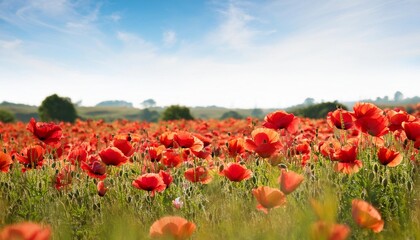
<point x="101" y="188"/>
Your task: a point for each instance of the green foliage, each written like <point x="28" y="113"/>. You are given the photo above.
<point x="176" y="112"/>
<point x="6" y="116"/>
<point x="149" y="115"/>
<point x="231" y="114"/>
<point x="56" y="108"/>
<point x="319" y="110"/>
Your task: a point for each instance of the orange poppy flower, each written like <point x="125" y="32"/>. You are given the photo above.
<point x="329" y="231"/>
<point x="236" y="146"/>
<point x="264" y="142"/>
<point x="198" y="174"/>
<point x="167" y="139"/>
<point x="366" y="110"/>
<point x="113" y="156"/>
<point x="172" y="227"/>
<point x="154" y="154"/>
<point x="389" y="157"/>
<point x="49" y="133"/>
<point x="32" y="156"/>
<point x="347" y="162"/>
<point x="26" y="231"/>
<point x="5" y="161"/>
<point x="366" y="216"/>
<point x="340" y="119"/>
<point x="150" y="182"/>
<point x="236" y="172"/>
<point x="281" y="119"/>
<point x="187" y="140"/>
<point x="289" y="181"/>
<point x="268" y="198"/>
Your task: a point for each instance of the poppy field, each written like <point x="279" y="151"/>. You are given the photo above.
<point x="353" y="175"/>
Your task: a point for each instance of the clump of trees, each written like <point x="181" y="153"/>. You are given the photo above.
<point x="176" y="112"/>
<point x="319" y="110"/>
<point x="231" y="114"/>
<point x="56" y="108"/>
<point x="6" y="116"/>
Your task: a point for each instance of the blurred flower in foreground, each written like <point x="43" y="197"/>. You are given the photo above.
<point x="25" y="231"/>
<point x="268" y="198"/>
<point x="366" y="216"/>
<point x="172" y="227"/>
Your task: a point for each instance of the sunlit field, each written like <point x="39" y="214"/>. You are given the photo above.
<point x="353" y="175"/>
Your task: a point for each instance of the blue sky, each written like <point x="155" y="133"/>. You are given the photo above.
<point x="228" y="53"/>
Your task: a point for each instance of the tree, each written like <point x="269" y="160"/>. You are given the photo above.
<point x="56" y="108"/>
<point x="148" y="103"/>
<point x="176" y="112"/>
<point x="6" y="116"/>
<point x="398" y="96"/>
<point x="149" y="116"/>
<point x="319" y="110"/>
<point x="231" y="114"/>
<point x="309" y="101"/>
<point x="258" y="113"/>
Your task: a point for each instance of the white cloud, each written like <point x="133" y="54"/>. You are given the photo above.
<point x="10" y="44"/>
<point x="115" y="17"/>
<point x="169" y="38"/>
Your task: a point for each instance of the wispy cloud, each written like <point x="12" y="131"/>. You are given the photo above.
<point x="169" y="38"/>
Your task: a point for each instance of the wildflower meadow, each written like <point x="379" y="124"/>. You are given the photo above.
<point x="353" y="175"/>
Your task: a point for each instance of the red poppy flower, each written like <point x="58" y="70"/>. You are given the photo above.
<point x="268" y="198"/>
<point x="389" y="157"/>
<point x="289" y="181"/>
<point x="329" y="231"/>
<point x="236" y="172"/>
<point x="171" y="158"/>
<point x="412" y="130"/>
<point x="77" y="154"/>
<point x="366" y="216"/>
<point x="26" y="231"/>
<point x="397" y="117"/>
<point x="340" y="119"/>
<point x="151" y="182"/>
<point x="172" y="227"/>
<point x="281" y="119"/>
<point x="124" y="143"/>
<point x="154" y="154"/>
<point x="102" y="189"/>
<point x="64" y="178"/>
<point x="5" y="161"/>
<point x="166" y="177"/>
<point x="373" y="126"/>
<point x="113" y="156"/>
<point x="198" y="174"/>
<point x="31" y="156"/>
<point x="264" y="142"/>
<point x="94" y="167"/>
<point x="347" y="160"/>
<point x="49" y="133"/>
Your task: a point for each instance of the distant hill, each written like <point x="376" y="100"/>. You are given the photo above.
<point x="114" y="103"/>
